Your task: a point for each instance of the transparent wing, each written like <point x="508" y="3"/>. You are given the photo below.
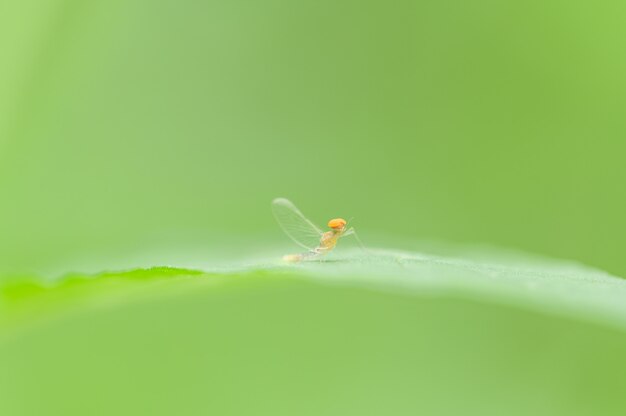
<point x="302" y="231"/>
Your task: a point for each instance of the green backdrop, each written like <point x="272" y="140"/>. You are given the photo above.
<point x="174" y="123"/>
<point x="146" y="133"/>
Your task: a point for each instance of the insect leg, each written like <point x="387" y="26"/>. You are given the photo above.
<point x="352" y="231"/>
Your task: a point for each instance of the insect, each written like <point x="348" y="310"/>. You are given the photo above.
<point x="306" y="234"/>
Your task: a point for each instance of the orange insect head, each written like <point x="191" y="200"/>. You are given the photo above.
<point x="337" y="223"/>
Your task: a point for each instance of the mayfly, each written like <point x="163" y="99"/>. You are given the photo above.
<point x="306" y="234"/>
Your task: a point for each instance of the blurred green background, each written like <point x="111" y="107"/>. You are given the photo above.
<point x="123" y="123"/>
<point x="138" y="133"/>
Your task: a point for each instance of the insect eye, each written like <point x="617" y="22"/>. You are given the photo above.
<point x="337" y="223"/>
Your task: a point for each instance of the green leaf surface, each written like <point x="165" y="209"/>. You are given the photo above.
<point x="388" y="332"/>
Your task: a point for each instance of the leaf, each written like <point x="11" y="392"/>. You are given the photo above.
<point x="389" y="333"/>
